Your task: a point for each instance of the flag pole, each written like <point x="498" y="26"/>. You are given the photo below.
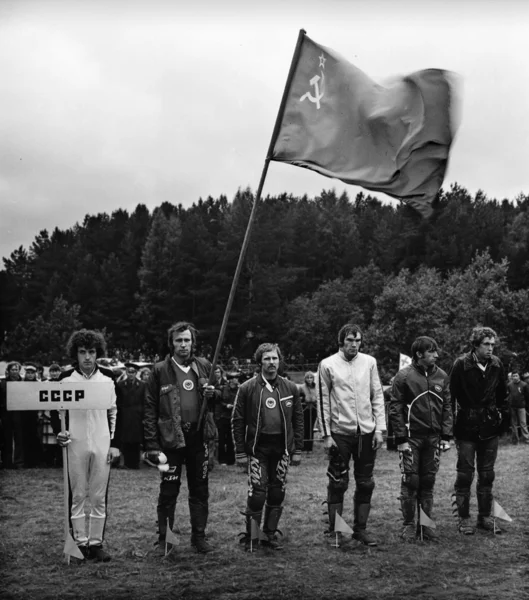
<point x="275" y="133"/>
<point x="62" y="415"/>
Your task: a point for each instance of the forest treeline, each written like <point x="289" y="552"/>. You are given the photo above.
<point x="312" y="264"/>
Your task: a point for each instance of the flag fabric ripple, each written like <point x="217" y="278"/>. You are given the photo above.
<point x="393" y="139"/>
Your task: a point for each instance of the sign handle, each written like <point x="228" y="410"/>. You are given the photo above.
<point x="62" y="414"/>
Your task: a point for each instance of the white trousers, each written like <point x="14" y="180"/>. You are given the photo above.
<point x="88" y="473"/>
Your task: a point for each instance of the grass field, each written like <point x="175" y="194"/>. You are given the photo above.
<point x="480" y="566"/>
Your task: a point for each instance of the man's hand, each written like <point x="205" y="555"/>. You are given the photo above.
<point x="404" y="447"/>
<point x="378" y="440"/>
<point x="445" y="445"/>
<point x="241" y="460"/>
<point x="296" y="459"/>
<point x="63" y="438"/>
<point x="112" y="454"/>
<point x="209" y="391"/>
<point x="328" y="443"/>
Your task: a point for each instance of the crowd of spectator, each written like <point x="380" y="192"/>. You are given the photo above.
<point x="27" y="439"/>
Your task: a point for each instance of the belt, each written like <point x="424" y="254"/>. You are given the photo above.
<point x="187" y="426"/>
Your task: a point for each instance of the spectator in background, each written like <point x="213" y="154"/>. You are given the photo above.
<point x="40" y="373"/>
<point x="30" y="425"/>
<point x="308" y="395"/>
<point x="12" y="428"/>
<point x="518" y="399"/>
<point x="223" y="412"/>
<point x="130" y="395"/>
<point x="51" y="451"/>
<point x="219" y="381"/>
<point x="145" y="374"/>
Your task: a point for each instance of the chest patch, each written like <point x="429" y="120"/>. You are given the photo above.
<point x="288" y="403"/>
<point x="270" y="403"/>
<point x="438" y="388"/>
<point x="188" y="385"/>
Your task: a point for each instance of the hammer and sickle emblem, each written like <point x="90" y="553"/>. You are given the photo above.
<point x="317" y="95"/>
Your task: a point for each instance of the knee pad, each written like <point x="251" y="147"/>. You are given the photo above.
<point x="276" y="495"/>
<point x="427" y="481"/>
<point x="170" y="485"/>
<point x="464" y="479"/>
<point x="485" y="478"/>
<point x="256" y="500"/>
<point x="410" y="481"/>
<point x="365" y="486"/>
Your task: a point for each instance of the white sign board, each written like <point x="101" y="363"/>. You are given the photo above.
<point x="57" y="395"/>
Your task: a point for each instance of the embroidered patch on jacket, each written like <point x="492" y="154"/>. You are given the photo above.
<point x="270" y="403"/>
<point x="188" y="385"/>
<point x="165" y="388"/>
<point x="288" y="403"/>
<point x="438" y="388"/>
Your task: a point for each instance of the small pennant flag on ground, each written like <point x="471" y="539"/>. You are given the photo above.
<point x="340" y="526"/>
<point x="170" y="537"/>
<point x="499" y="513"/>
<point x="256" y="532"/>
<point x="404" y="361"/>
<point x="425" y="520"/>
<point x="72" y="549"/>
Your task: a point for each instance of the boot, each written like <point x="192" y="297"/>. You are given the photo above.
<point x="407" y="506"/>
<point x="462" y="504"/>
<point x="428" y="533"/>
<point x="485" y="521"/>
<point x="250" y="538"/>
<point x="361" y="515"/>
<point x="271" y="520"/>
<point x="198" y="511"/>
<point x="334" y="509"/>
<point x="165" y="518"/>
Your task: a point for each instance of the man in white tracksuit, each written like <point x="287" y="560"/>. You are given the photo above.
<point x="88" y="439"/>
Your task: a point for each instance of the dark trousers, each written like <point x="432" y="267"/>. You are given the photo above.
<point x="419" y="467"/>
<point x="309" y="419"/>
<point x="195" y="458"/>
<point x="472" y="455"/>
<point x="360" y="449"/>
<point x="131" y="454"/>
<point x="267" y="473"/>
<point x="226" y="449"/>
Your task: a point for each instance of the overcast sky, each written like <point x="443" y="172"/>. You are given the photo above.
<point x="104" y="105"/>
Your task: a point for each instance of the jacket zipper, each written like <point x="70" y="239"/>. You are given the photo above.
<point x="285" y="424"/>
<point x="258" y="416"/>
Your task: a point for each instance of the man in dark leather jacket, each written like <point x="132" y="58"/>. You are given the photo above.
<point x="267" y="425"/>
<point x="420" y="413"/>
<point x="479" y="401"/>
<point x="173" y="431"/>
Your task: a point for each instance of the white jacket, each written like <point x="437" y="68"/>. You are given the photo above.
<point x="350" y="395"/>
<point x="94" y="424"/>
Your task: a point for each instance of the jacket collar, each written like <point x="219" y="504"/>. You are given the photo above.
<point x="470" y="361"/>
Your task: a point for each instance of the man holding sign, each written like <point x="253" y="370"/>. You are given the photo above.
<point x="88" y="437"/>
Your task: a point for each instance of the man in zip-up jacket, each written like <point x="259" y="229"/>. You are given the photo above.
<point x="267" y="425"/>
<point x="420" y="413"/>
<point x="479" y="402"/>
<point x="352" y="418"/>
<point x="173" y="429"/>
